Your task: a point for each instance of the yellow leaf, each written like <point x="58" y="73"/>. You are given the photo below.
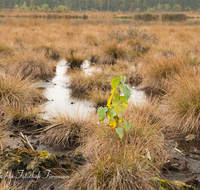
<point x="113" y="123"/>
<point x="124" y="105"/>
<point x="110" y="99"/>
<point x="110" y="106"/>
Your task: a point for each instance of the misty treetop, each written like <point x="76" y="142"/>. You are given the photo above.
<point x="103" y="5"/>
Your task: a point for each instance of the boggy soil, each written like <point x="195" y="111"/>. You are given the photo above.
<point x="43" y="168"/>
<point x="39" y="169"/>
<point x="184" y="162"/>
<point x="49" y="167"/>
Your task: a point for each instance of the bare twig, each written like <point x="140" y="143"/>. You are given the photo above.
<point x="25" y="141"/>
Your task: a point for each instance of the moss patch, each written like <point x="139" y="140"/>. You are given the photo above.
<point x="43" y="154"/>
<point x="169" y="185"/>
<point x="27" y="160"/>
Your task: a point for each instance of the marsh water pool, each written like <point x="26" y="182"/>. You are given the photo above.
<point x="60" y="98"/>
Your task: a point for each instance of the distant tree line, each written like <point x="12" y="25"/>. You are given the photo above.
<point x="103" y="5"/>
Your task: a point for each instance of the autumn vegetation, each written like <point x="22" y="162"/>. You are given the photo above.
<point x="161" y="60"/>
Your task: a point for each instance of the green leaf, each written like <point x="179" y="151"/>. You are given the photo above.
<point x="111" y="113"/>
<point x="124" y="105"/>
<point x="123" y="99"/>
<point x="117" y="106"/>
<point x="123" y="79"/>
<point x="121" y="119"/>
<point x="115" y="117"/>
<point x="115" y="82"/>
<point x="126" y="90"/>
<point x="119" y="131"/>
<point x="116" y="102"/>
<point x="127" y="126"/>
<point x="116" y="96"/>
<point x="102" y="113"/>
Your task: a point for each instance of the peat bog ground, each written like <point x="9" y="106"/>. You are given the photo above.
<point x="56" y="73"/>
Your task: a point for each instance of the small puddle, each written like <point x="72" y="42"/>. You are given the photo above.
<point x="59" y="95"/>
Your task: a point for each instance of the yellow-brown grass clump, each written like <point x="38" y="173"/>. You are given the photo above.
<point x="6" y="49"/>
<point x="181" y="104"/>
<point x="50" y="51"/>
<point x="94" y="55"/>
<point x="121" y="164"/>
<point x="18" y="94"/>
<point x="75" y="60"/>
<point x="99" y="97"/>
<point x="100" y="79"/>
<point x="156" y="73"/>
<point x="113" y="52"/>
<point x="26" y="114"/>
<point x="30" y="64"/>
<point x="68" y="130"/>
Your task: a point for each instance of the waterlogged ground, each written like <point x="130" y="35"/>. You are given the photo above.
<point x="59" y="95"/>
<point x="184" y="162"/>
<point x="60" y="100"/>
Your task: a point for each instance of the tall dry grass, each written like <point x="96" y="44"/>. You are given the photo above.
<point x="69" y="130"/>
<point x="101" y="77"/>
<point x="112" y="52"/>
<point x="181" y="106"/>
<point x="30" y="64"/>
<point x="121" y="164"/>
<point x="157" y="72"/>
<point x="18" y="97"/>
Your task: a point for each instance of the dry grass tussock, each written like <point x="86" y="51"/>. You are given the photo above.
<point x="21" y="115"/>
<point x="181" y="110"/>
<point x="121" y="164"/>
<point x="94" y="54"/>
<point x="99" y="97"/>
<point x="6" y="49"/>
<point x="112" y="52"/>
<point x="75" y="60"/>
<point x="18" y="95"/>
<point x="157" y="72"/>
<point x="30" y="64"/>
<point x="100" y="79"/>
<point x="51" y="52"/>
<point x="70" y="129"/>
